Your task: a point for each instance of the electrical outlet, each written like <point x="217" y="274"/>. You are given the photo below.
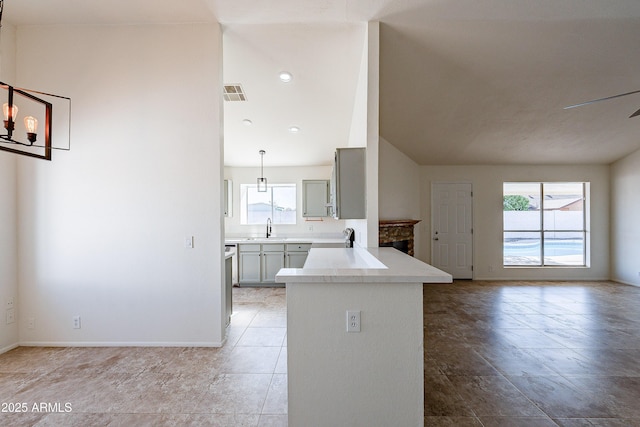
<point x="11" y="316"/>
<point x="353" y="321"/>
<point x="9" y="303"/>
<point x="76" y="322"/>
<point x="31" y="323"/>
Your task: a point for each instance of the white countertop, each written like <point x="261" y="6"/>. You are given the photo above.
<point x="229" y="252"/>
<point x="353" y="265"/>
<point x="240" y="240"/>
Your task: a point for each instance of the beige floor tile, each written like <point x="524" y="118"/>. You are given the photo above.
<point x="530" y="354"/>
<point x="262" y="337"/>
<point x="251" y="360"/>
<point x="276" y="401"/>
<point x="235" y="394"/>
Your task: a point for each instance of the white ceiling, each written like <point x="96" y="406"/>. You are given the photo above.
<point x="462" y="81"/>
<point x="319" y="100"/>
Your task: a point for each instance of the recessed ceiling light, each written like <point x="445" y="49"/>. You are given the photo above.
<point x="294" y="129"/>
<point x="247" y="122"/>
<point x="285" y="76"/>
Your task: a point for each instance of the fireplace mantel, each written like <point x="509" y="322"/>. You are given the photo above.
<point x="397" y="230"/>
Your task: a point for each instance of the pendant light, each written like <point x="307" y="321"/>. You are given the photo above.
<point x="262" y="181"/>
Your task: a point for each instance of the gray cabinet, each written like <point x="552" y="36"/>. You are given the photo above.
<point x="272" y="262"/>
<point x="315" y="198"/>
<point x="249" y="257"/>
<point x="259" y="263"/>
<point x="228" y="272"/>
<point x="296" y="254"/>
<point x="228" y="198"/>
<point x="348" y="184"/>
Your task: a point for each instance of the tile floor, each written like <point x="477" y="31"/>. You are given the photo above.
<point x="497" y="354"/>
<point x="242" y="384"/>
<point x="532" y="354"/>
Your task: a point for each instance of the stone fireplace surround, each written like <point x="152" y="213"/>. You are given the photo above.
<point x="397" y="233"/>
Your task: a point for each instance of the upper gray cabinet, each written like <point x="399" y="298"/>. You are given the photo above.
<point x="228" y="198"/>
<point x="315" y="198"/>
<point x="348" y="184"/>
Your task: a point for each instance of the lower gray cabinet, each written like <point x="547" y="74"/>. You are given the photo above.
<point x="228" y="272"/>
<point x="272" y="262"/>
<point x="259" y="263"/>
<point x="296" y="254"/>
<point x="249" y="257"/>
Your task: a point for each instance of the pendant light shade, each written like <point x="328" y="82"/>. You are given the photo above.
<point x="262" y="181"/>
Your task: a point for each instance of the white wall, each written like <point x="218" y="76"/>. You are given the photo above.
<point x="399" y="195"/>
<point x="328" y="227"/>
<point x="8" y="249"/>
<point x="8" y="208"/>
<point x="365" y="132"/>
<point x="625" y="227"/>
<point x="102" y="226"/>
<point x="487" y="216"/>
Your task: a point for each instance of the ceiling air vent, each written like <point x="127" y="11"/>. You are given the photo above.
<point x="234" y="92"/>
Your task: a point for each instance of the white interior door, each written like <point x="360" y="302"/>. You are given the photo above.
<point x="452" y="230"/>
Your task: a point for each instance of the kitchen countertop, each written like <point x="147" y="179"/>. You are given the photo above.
<point x="229" y="252"/>
<point x="360" y="265"/>
<point x="239" y="240"/>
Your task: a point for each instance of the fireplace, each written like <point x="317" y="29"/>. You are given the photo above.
<point x="398" y="234"/>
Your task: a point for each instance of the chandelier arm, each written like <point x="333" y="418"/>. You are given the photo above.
<point x="8" y="139"/>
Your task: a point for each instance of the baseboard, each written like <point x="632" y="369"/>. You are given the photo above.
<point x="624" y="282"/>
<point x="543" y="279"/>
<point x="116" y="344"/>
<point x="9" y="348"/>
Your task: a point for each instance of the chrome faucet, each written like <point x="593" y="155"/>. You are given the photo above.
<point x="268" y="227"/>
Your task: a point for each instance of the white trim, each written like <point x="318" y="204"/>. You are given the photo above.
<point x="544" y="279"/>
<point x="9" y="348"/>
<point x="117" y="344"/>
<point x="624" y="282"/>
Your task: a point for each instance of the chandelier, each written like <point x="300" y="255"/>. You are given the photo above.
<point x="37" y="108"/>
<point x="23" y="111"/>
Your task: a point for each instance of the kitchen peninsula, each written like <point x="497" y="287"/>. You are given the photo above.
<point x="373" y="374"/>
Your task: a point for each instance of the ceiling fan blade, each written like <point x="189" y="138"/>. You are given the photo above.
<point x="602" y="99"/>
<point x="637" y="113"/>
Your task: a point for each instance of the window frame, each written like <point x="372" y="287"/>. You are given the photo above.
<point x="244" y="203"/>
<point x="541" y="232"/>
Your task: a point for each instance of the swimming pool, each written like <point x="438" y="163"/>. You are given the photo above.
<point x="557" y="252"/>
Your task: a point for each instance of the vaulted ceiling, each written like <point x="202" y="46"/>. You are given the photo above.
<point x="461" y="81"/>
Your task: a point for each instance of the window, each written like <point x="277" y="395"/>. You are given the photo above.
<point x="277" y="203"/>
<point x="544" y="224"/>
